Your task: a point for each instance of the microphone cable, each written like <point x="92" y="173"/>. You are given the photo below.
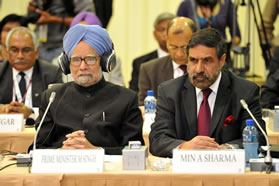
<point x="54" y="120"/>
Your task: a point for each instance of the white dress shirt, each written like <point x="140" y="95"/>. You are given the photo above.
<point x="212" y="97"/>
<point x="177" y="72"/>
<point x="161" y="53"/>
<point x="16" y="90"/>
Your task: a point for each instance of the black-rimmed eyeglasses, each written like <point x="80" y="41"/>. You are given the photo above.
<point x="89" y="60"/>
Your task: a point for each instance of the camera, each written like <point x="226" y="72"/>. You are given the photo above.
<point x="32" y="17"/>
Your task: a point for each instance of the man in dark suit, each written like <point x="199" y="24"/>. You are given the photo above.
<point x="160" y="27"/>
<point x="89" y="112"/>
<point x="179" y="32"/>
<point x="19" y="93"/>
<point x="202" y="110"/>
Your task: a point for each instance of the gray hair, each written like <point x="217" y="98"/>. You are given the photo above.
<point x="162" y="17"/>
<point x="25" y="30"/>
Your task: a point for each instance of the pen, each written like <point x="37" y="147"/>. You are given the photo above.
<point x="104" y="116"/>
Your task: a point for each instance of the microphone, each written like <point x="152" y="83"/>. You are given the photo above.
<point x="24" y="160"/>
<point x="51" y="99"/>
<point x="268" y="158"/>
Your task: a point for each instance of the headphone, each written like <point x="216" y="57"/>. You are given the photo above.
<point x="108" y="62"/>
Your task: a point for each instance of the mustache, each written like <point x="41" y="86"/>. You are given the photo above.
<point x="83" y="73"/>
<point x="201" y="74"/>
<point x="20" y="61"/>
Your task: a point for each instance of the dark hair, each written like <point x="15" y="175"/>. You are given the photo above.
<point x="12" y="18"/>
<point x="208" y="37"/>
<point x="210" y="3"/>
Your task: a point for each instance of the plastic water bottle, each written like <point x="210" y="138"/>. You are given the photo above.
<point x="250" y="141"/>
<point x="150" y="103"/>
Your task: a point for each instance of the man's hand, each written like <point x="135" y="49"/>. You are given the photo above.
<point x="4" y="109"/>
<point x="16" y="107"/>
<point x="45" y="17"/>
<point x="142" y="111"/>
<point x="77" y="140"/>
<point x="200" y="142"/>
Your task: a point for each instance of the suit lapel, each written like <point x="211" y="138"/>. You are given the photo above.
<point x="221" y="101"/>
<point x="37" y="86"/>
<point x="167" y="68"/>
<point x="8" y="93"/>
<point x="190" y="107"/>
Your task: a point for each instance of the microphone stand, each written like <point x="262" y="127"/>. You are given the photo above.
<point x="268" y="158"/>
<point x="24" y="160"/>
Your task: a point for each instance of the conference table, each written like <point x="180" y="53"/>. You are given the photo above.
<point x="20" y="141"/>
<point x="113" y="175"/>
<point x="17" y="141"/>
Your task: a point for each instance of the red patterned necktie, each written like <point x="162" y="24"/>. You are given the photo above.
<point x="204" y="116"/>
<point x="184" y="68"/>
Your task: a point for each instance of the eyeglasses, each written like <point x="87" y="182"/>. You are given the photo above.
<point x="25" y="51"/>
<point x="176" y="48"/>
<point x="89" y="60"/>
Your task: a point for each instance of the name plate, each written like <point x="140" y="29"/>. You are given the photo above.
<point x="208" y="161"/>
<point x="11" y="123"/>
<point x="68" y="161"/>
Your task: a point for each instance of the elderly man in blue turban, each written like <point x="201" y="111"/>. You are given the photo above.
<point x="89" y="112"/>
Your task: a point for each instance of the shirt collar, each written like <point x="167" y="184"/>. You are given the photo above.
<point x="28" y="72"/>
<point x="161" y="53"/>
<point x="213" y="87"/>
<point x="175" y="65"/>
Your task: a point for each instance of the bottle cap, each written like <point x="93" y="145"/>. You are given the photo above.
<point x="150" y="93"/>
<point x="249" y="122"/>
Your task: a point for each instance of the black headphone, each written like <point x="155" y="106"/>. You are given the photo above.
<point x="108" y="62"/>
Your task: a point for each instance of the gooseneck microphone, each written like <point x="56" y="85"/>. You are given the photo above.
<point x="51" y="99"/>
<point x="268" y="158"/>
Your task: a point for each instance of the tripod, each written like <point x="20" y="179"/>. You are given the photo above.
<point x="241" y="59"/>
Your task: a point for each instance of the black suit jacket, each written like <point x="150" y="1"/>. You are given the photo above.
<point x="270" y="91"/>
<point x="176" y="119"/>
<point x="108" y="114"/>
<point x="136" y="68"/>
<point x="43" y="74"/>
<point x="152" y="74"/>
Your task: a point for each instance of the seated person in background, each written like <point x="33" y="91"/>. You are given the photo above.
<point x="89" y="112"/>
<point x="202" y="110"/>
<point x="8" y="23"/>
<point x="156" y="71"/>
<point x="23" y="77"/>
<point x="160" y="27"/>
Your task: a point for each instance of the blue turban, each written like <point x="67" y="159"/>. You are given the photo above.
<point x="96" y="36"/>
